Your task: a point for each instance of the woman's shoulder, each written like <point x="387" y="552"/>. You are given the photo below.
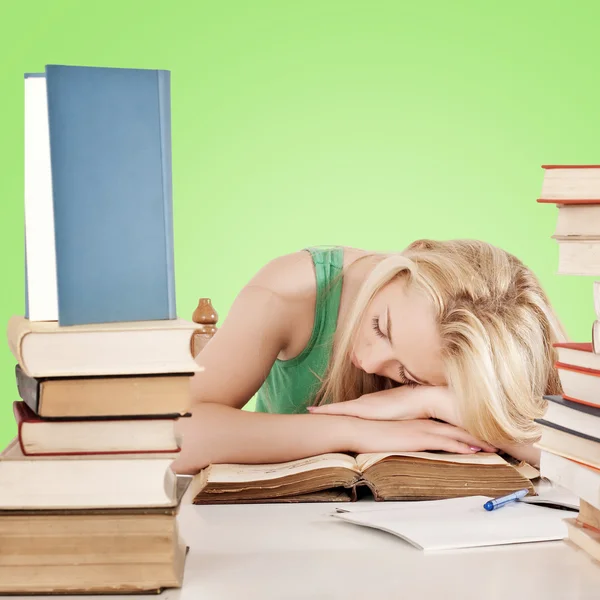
<point x="293" y="275"/>
<point x="290" y="275"/>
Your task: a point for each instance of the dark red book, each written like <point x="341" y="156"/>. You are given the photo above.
<point x="39" y="436"/>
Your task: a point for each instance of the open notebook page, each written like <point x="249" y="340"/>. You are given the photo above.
<point x="462" y="523"/>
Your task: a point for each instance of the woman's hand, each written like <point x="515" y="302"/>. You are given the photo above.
<point x="413" y="436"/>
<point x="400" y="403"/>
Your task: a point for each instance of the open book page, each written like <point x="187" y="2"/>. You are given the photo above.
<point x="364" y="461"/>
<point x="244" y="473"/>
<point x="462" y="523"/>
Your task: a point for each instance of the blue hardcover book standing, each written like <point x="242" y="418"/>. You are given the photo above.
<point x="110" y="147"/>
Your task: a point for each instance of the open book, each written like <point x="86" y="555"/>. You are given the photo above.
<point x="338" y="478"/>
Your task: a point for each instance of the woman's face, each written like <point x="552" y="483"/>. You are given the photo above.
<point x="398" y="337"/>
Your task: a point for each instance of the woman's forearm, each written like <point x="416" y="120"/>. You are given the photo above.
<point x="216" y="433"/>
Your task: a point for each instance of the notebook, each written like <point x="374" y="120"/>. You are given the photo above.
<point x="461" y="523"/>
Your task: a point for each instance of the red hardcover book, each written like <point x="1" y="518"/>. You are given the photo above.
<point x="578" y="354"/>
<point x="38" y="436"/>
<point x="571" y="184"/>
<point x="579" y="373"/>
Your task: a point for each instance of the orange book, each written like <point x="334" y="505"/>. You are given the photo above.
<point x="571" y="184"/>
<point x="578" y="354"/>
<point x="580" y="384"/>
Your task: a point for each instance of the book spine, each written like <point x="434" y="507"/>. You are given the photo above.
<point x="18" y="414"/>
<point x="164" y="108"/>
<point x="29" y="389"/>
<point x="16" y="330"/>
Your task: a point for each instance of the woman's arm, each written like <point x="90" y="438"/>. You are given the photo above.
<point x="222" y="434"/>
<point x="419" y="402"/>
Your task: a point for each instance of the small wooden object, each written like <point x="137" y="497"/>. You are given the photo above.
<point x="206" y="317"/>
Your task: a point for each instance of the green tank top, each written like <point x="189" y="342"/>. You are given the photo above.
<point x="292" y="384"/>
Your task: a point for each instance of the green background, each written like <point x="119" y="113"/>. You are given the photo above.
<point x="367" y="124"/>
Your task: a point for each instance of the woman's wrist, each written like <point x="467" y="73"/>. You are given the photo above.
<point x="344" y="433"/>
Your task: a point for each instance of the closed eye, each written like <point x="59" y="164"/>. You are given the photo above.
<point x="404" y="380"/>
<point x="377" y="328"/>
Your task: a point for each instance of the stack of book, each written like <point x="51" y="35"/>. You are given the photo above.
<point x="88" y="501"/>
<point x="570" y="441"/>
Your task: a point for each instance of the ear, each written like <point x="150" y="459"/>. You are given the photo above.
<point x="423" y="245"/>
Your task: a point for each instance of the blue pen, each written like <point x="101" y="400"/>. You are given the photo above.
<point x="498" y="502"/>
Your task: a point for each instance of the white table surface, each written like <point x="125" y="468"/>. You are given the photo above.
<point x="245" y="552"/>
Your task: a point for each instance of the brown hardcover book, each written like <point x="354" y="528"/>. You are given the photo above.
<point x="337" y="477"/>
<point x="92" y="551"/>
<point x="97" y="397"/>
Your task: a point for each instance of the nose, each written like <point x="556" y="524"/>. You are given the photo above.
<point x="373" y="362"/>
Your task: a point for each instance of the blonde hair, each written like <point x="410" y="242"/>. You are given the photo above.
<point x="497" y="329"/>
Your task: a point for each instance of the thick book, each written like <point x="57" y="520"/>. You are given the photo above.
<point x="95" y="481"/>
<point x="580" y="384"/>
<point x="576" y="416"/>
<point x="103" y="550"/>
<point x="578" y="255"/>
<point x="570" y="184"/>
<point x="47" y="349"/>
<point x="460" y="523"/>
<point x="580" y="479"/>
<point x="577" y="220"/>
<point x="105" y="396"/>
<point x="338" y="477"/>
<point x="569" y="444"/>
<point x="92" y="436"/>
<point x="41" y="293"/>
<point x="111" y="176"/>
<point x="577" y="354"/>
<point x="84" y="564"/>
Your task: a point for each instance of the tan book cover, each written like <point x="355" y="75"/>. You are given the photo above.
<point x="46" y="349"/>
